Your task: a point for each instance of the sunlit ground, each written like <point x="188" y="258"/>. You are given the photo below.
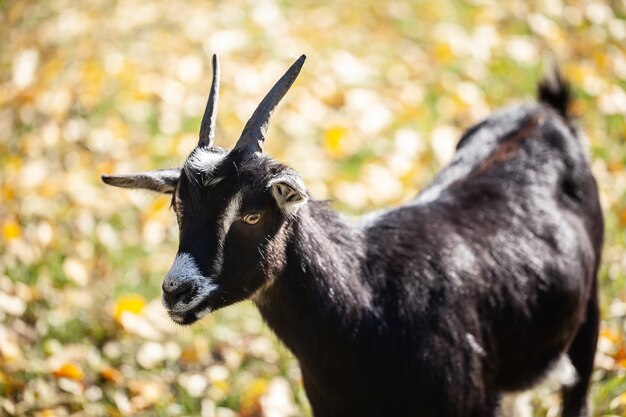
<point x="96" y="86"/>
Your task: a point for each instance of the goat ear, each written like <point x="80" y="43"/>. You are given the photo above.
<point x="162" y="180"/>
<point x="289" y="192"/>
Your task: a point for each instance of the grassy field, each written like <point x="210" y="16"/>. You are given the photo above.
<point x="96" y="87"/>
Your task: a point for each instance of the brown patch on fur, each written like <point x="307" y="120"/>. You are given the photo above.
<point x="509" y="146"/>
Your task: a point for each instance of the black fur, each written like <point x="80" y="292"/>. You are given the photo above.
<point x="435" y="308"/>
<point x="555" y="91"/>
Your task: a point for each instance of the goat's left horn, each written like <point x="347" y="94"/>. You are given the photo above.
<point x="253" y="134"/>
<point x="209" y="120"/>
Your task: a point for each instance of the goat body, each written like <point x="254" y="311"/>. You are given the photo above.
<point x="475" y="288"/>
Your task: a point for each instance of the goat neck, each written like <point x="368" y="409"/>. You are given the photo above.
<point x="321" y="286"/>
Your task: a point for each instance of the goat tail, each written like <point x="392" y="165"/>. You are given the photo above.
<point x="555" y="91"/>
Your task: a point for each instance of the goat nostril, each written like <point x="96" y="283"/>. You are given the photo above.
<point x="173" y="293"/>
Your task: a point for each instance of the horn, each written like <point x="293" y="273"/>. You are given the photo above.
<point x="253" y="134"/>
<point x="207" y="127"/>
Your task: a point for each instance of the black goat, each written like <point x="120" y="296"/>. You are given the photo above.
<point x="477" y="287"/>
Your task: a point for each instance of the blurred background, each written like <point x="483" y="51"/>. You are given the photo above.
<point x="99" y="86"/>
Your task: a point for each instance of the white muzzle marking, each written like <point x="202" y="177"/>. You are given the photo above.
<point x="185" y="270"/>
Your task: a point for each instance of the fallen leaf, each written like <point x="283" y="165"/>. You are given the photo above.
<point x="112" y="375"/>
<point x="131" y="303"/>
<point x="250" y="398"/>
<point x="11" y="230"/>
<point x="69" y="370"/>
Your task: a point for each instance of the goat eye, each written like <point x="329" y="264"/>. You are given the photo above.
<point x="252" y="218"/>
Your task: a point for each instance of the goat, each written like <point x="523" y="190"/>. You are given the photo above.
<point x="475" y="288"/>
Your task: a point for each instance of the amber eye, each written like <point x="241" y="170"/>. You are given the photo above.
<point x="252" y="218"/>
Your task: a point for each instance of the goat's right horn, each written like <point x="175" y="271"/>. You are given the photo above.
<point x="253" y="134"/>
<point x="209" y="120"/>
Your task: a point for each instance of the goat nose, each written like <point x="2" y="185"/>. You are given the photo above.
<point x="173" y="292"/>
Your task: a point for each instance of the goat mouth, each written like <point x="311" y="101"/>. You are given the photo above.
<point x="191" y="315"/>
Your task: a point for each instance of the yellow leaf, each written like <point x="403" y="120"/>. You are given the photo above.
<point x="8" y="192"/>
<point x="250" y="398"/>
<point x="131" y="303"/>
<point x="11" y="230"/>
<point x="602" y="61"/>
<point x="614" y="166"/>
<point x="157" y="208"/>
<point x="222" y="386"/>
<point x="69" y="370"/>
<point x="334" y="140"/>
<point x="443" y="52"/>
<point x="93" y="77"/>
